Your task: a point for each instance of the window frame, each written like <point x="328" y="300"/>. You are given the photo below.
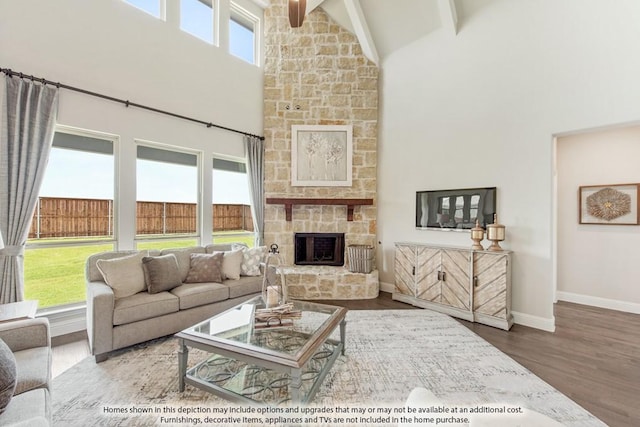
<point x="115" y="140"/>
<point x="162" y="9"/>
<point x="140" y="238"/>
<point x="113" y="241"/>
<point x="242" y="161"/>
<point x="215" y="22"/>
<point x="243" y="17"/>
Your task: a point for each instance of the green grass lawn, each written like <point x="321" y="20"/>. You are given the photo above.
<point x="55" y="276"/>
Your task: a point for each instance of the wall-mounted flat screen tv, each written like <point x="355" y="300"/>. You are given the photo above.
<point x="455" y="209"/>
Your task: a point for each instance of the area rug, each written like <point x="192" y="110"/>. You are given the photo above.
<point x="388" y="353"/>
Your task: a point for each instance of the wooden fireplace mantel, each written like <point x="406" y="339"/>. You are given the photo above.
<point x="289" y="202"/>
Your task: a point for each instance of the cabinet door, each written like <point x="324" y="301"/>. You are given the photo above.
<point x="490" y="284"/>
<point x="428" y="286"/>
<point x="455" y="280"/>
<point x="405" y="265"/>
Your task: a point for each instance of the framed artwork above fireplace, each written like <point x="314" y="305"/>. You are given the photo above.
<point x="321" y="155"/>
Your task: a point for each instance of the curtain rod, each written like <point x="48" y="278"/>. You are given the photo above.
<point x="126" y="103"/>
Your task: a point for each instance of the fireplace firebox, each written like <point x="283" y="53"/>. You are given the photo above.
<point x="319" y="249"/>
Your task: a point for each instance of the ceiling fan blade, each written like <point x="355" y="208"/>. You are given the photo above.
<point x="296" y="12"/>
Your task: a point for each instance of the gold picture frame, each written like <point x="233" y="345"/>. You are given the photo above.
<point x="615" y="204"/>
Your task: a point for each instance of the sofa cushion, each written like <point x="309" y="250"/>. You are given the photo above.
<point x="183" y="255"/>
<point x="124" y="275"/>
<point x="251" y="259"/>
<point x="205" y="268"/>
<point x="161" y="273"/>
<point x="218" y="247"/>
<point x="7" y="375"/>
<point x="244" y="286"/>
<point x="29" y="408"/>
<point x="231" y="264"/>
<point x="33" y="368"/>
<point x="197" y="294"/>
<point x="142" y="306"/>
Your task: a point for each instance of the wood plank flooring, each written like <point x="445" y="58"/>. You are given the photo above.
<point x="593" y="357"/>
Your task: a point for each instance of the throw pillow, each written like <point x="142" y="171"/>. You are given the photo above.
<point x="183" y="255"/>
<point x="124" y="275"/>
<point x="205" y="268"/>
<point x="251" y="259"/>
<point x="161" y="273"/>
<point x="231" y="263"/>
<point x="7" y="375"/>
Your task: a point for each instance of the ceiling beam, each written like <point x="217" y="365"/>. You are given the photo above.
<point x="448" y="15"/>
<point x="312" y="4"/>
<point x="360" y="27"/>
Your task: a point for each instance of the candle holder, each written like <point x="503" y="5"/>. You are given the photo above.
<point x="477" y="234"/>
<point x="274" y="291"/>
<point x="496" y="234"/>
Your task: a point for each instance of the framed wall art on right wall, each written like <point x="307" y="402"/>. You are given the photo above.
<point x="615" y="204"/>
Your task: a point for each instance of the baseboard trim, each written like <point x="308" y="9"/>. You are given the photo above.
<point x="545" y="324"/>
<point x="537" y="322"/>
<point x="611" y="304"/>
<point x="387" y="287"/>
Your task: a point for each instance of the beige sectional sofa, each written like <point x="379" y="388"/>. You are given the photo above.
<point x="119" y="316"/>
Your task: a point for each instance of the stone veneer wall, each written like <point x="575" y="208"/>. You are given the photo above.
<point x="317" y="75"/>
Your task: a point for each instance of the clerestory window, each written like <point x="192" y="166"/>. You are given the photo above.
<point x="242" y="34"/>
<point x="197" y="19"/>
<point x="152" y="7"/>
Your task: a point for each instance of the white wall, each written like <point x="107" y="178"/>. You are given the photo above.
<point x="597" y="264"/>
<point x="481" y="108"/>
<point x="110" y="47"/>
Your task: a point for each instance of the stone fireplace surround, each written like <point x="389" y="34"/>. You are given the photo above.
<point x="317" y="75"/>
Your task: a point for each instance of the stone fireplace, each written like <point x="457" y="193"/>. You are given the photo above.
<point x="318" y="75"/>
<point x="319" y="249"/>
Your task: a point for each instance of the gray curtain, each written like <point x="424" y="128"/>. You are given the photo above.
<point x="26" y="132"/>
<point x="255" y="172"/>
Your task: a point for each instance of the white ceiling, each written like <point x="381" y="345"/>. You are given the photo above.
<point x="384" y="26"/>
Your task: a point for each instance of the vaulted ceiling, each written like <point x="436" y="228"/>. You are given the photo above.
<point x="383" y="26"/>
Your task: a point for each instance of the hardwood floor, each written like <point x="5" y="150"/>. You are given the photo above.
<point x="593" y="357"/>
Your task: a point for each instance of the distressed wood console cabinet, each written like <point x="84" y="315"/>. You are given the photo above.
<point x="471" y="285"/>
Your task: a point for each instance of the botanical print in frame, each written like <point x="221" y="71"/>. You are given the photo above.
<point x="321" y="155"/>
<point x="609" y="204"/>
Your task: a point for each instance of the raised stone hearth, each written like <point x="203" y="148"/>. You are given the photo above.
<point x="326" y="282"/>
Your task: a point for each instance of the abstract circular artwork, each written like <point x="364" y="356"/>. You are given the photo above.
<point x="608" y="204"/>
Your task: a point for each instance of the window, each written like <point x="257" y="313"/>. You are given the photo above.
<point x="166" y="194"/>
<point x="74" y="217"/>
<point x="152" y="7"/>
<point x="232" y="220"/>
<point x="196" y="18"/>
<point x="242" y="40"/>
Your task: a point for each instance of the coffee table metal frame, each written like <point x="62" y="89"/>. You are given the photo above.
<point x="291" y="365"/>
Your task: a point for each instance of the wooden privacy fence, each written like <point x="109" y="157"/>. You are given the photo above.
<point x="61" y="217"/>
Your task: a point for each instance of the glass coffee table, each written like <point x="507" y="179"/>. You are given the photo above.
<point x="251" y="362"/>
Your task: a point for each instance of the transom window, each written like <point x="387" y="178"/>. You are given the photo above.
<point x="152" y="7"/>
<point x="242" y="29"/>
<point x="197" y="18"/>
<point x="201" y="19"/>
